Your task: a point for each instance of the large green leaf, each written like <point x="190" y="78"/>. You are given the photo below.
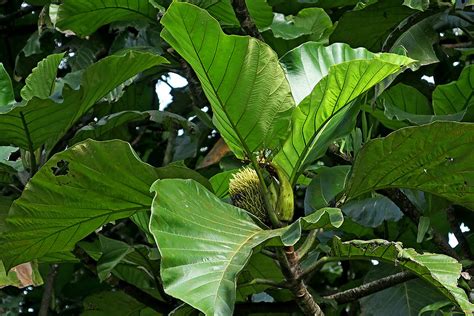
<point x="435" y="158"/>
<point x="457" y="96"/>
<point x="6" y="90"/>
<point x="342" y="74"/>
<point x="40" y="83"/>
<point x="354" y="26"/>
<point x="440" y="271"/>
<point x="84" y="17"/>
<point x="205" y="243"/>
<point x="240" y="76"/>
<point x="39" y="121"/>
<point x="76" y="192"/>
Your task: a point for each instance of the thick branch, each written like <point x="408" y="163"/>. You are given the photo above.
<point x="411" y="212"/>
<point x="240" y="9"/>
<point x="291" y="270"/>
<point x="129" y="289"/>
<point x="371" y="287"/>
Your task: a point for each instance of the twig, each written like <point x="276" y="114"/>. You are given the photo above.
<point x="371" y="287"/>
<point x="291" y="270"/>
<point x="169" y="151"/>
<point x="407" y="207"/>
<point x="48" y="291"/>
<point x="129" y="289"/>
<point x="455" y="227"/>
<point x="240" y="9"/>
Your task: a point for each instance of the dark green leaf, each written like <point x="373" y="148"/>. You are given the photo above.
<point x="309" y="21"/>
<point x="445" y="168"/>
<point x="102" y="182"/>
<point x="372" y="212"/>
<point x="6" y="89"/>
<point x="440" y="271"/>
<point x="377" y="19"/>
<point x="457" y="96"/>
<point x="40" y="121"/>
<point x="40" y="83"/>
<point x="83" y="17"/>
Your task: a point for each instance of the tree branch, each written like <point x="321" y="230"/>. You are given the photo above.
<point x="291" y="269"/>
<point x="411" y="212"/>
<point x="240" y="9"/>
<point x="48" y="291"/>
<point x="371" y="287"/>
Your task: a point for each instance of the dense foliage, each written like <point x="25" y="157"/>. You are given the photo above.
<point x="313" y="156"/>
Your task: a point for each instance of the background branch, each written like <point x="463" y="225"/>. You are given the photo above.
<point x="240" y="9"/>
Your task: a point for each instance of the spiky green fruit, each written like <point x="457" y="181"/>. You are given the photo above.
<point x="246" y="193"/>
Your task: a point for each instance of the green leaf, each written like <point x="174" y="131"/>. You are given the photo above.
<point x="372" y="212"/>
<point x="240" y="76"/>
<point x="84" y="17"/>
<point x="113" y="252"/>
<point x="205" y="243"/>
<point x="407" y="298"/>
<point x="456" y="96"/>
<point x="423" y="227"/>
<point x="101" y="182"/>
<point x="100" y="129"/>
<point x="309" y="21"/>
<point x="443" y="168"/>
<point x="420" y="5"/>
<point x="45" y="121"/>
<point x="6" y="90"/>
<point x="220" y="182"/>
<point x="419" y="39"/>
<point x="353" y="27"/>
<point x="40" y="83"/>
<point x="324" y="187"/>
<point x="341" y="75"/>
<point x="114" y="303"/>
<point x="440" y="271"/>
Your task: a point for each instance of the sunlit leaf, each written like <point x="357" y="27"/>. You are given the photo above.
<point x="205" y="243"/>
<point x="240" y="76"/>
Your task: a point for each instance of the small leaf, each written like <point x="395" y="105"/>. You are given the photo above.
<point x="309" y="21"/>
<point x="6" y="90"/>
<point x="420" y="5"/>
<point x="444" y="166"/>
<point x="40" y="83"/>
<point x="113" y="252"/>
<point x="205" y="243"/>
<point x="456" y="96"/>
<point x="423" y="227"/>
